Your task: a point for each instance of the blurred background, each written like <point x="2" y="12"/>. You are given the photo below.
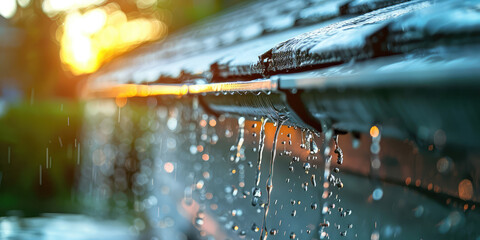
<point x="168" y="168"/>
<point x="50" y="45"/>
<point x="47" y="47"/>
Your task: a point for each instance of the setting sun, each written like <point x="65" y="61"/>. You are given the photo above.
<point x="91" y="38"/>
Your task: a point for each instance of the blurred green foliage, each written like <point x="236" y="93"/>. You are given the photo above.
<point x="26" y="131"/>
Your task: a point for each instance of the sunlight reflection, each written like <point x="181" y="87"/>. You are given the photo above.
<point x="8" y="8"/>
<point x="91" y="38"/>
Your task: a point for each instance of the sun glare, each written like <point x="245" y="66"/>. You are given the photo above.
<point x="8" y="8"/>
<point x="91" y="38"/>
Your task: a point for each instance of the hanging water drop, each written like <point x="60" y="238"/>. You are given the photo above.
<point x="255" y="228"/>
<point x="306" y="167"/>
<point x="311" y="143"/>
<point x="338" y="150"/>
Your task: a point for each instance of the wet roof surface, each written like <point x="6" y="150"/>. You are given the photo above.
<point x="295" y="36"/>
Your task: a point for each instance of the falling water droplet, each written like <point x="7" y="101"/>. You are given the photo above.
<point x="257" y="193"/>
<point x="305" y="186"/>
<point x="311" y="143"/>
<point x="313" y="180"/>
<point x="239" y="154"/>
<point x="199" y="221"/>
<point x="279" y="123"/>
<point x="338" y="150"/>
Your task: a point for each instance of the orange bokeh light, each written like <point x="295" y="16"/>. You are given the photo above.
<point x="374" y="131"/>
<point x="89" y="39"/>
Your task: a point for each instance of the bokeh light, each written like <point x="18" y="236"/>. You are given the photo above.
<point x="53" y="7"/>
<point x="8" y="8"/>
<point x="92" y="38"/>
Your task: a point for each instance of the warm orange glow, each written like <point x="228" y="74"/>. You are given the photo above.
<point x="408" y="181"/>
<point x="91" y="38"/>
<point x="134" y="90"/>
<point x="121" y="101"/>
<point x="212" y="122"/>
<point x="465" y="189"/>
<point x="418" y="182"/>
<point x="167" y="90"/>
<point x="374" y="131"/>
<point x="260" y="85"/>
<point x="205" y="157"/>
<point x="208" y="196"/>
<point x="177" y="89"/>
<point x="200" y="184"/>
<point x="168" y="166"/>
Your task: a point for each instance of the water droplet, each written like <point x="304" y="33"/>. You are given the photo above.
<point x="313" y="180"/>
<point x="325" y="224"/>
<point x="306" y="167"/>
<point x="338" y="150"/>
<point x="255" y="228"/>
<point x="305" y="186"/>
<point x="377" y="193"/>
<point x="199" y="221"/>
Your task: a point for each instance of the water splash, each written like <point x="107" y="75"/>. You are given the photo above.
<point x="264" y="233"/>
<point x="257" y="193"/>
